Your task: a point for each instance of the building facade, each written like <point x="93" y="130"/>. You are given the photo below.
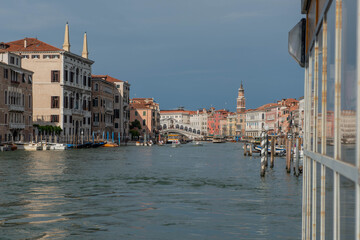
<point x="255" y="122"/>
<point x="103" y="99"/>
<point x="16" y="98"/>
<point x="180" y="115"/>
<point x="231" y="125"/>
<point x="61" y="85"/>
<point x="199" y="120"/>
<point x="147" y="112"/>
<point x="214" y="128"/>
<point x="121" y="108"/>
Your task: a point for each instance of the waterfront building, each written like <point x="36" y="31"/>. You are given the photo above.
<point x="214" y="128"/>
<point x="147" y="112"/>
<point x="255" y="122"/>
<point x="326" y="44"/>
<point x="288" y="108"/>
<point x="121" y="108"/>
<point x="61" y="84"/>
<point x="231" y="125"/>
<point x="223" y="127"/>
<point x="15" y="98"/>
<point x="102" y="107"/>
<point x="241" y="112"/>
<point x="272" y="118"/>
<point x="199" y="120"/>
<point x="179" y="115"/>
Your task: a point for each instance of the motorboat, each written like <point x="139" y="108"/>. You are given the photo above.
<point x="219" y="140"/>
<point x="58" y="146"/>
<point x="175" y="143"/>
<point x="278" y="150"/>
<point x="110" y="144"/>
<point x="33" y="147"/>
<point x="197" y="144"/>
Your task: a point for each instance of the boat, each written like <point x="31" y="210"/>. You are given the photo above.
<point x="97" y="144"/>
<point x="58" y="146"/>
<point x="45" y="146"/>
<point x="5" y="148"/>
<point x="278" y="150"/>
<point x="84" y="145"/>
<point x="32" y="147"/>
<point x="110" y="144"/>
<point x="197" y="144"/>
<point x="175" y="144"/>
<point x="218" y="140"/>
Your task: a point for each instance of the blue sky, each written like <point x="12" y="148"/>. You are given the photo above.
<point x="191" y="53"/>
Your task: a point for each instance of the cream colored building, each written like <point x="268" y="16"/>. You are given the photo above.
<point x="61" y="85"/>
<point x="199" y="120"/>
<point x="231" y="125"/>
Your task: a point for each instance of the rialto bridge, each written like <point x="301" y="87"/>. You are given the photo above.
<point x="170" y="125"/>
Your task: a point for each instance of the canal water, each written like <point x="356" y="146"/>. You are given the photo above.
<point x="159" y="192"/>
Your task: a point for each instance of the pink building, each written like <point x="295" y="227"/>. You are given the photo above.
<point x="147" y="112"/>
<point x="214" y="122"/>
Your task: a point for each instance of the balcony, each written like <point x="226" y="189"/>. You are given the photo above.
<point x="78" y="111"/>
<point x="17" y="125"/>
<point x="16" y="108"/>
<point x="95" y="124"/>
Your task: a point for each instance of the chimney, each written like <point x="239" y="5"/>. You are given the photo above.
<point x="25" y="43"/>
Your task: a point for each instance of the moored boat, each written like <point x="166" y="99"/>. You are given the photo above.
<point x="58" y="146"/>
<point x="218" y="140"/>
<point x="32" y="147"/>
<point x="110" y="144"/>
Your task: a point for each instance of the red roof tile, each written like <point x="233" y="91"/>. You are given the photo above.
<point x="32" y="45"/>
<point x="107" y="78"/>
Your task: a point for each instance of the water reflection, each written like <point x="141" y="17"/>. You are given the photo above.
<point x="140" y="193"/>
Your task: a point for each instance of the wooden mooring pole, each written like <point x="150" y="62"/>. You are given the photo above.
<point x="250" y="149"/>
<point x="272" y="157"/>
<point x="288" y="156"/>
<point x="245" y="149"/>
<point x="297" y="157"/>
<point x="266" y="149"/>
<point x="263" y="154"/>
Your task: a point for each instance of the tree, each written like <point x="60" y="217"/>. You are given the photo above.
<point x="135" y="124"/>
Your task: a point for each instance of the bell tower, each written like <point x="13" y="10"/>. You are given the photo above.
<point x="240" y="106"/>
